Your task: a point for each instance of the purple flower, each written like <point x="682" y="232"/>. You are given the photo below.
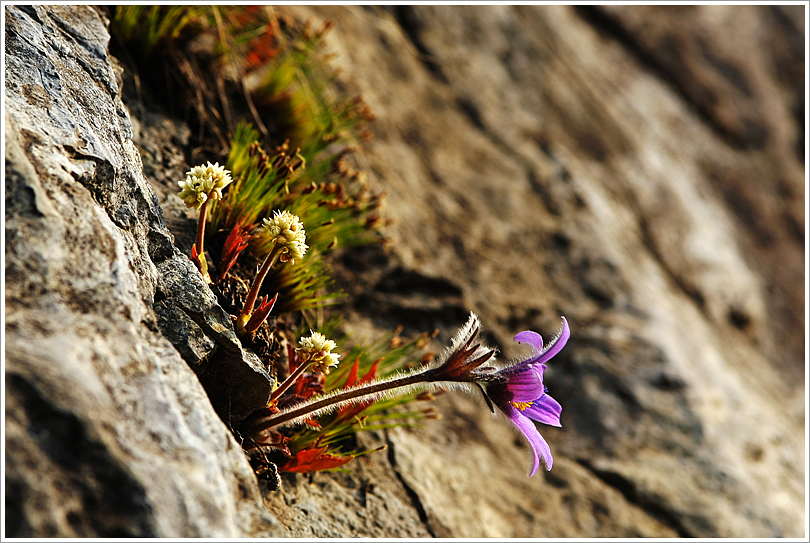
<point x="519" y="392"/>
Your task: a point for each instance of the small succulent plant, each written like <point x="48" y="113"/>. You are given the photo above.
<point x="252" y="211"/>
<point x="203" y="184"/>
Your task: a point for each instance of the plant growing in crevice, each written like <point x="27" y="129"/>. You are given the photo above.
<point x="307" y="172"/>
<point x="338" y="205"/>
<point x="153" y="26"/>
<point x="287" y="148"/>
<point x="289" y="242"/>
<point x="314" y="352"/>
<point x="202" y="185"/>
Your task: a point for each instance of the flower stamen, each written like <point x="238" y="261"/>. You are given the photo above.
<point x="522" y="405"/>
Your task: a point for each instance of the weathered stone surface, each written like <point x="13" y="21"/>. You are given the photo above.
<point x="235" y="379"/>
<point x="371" y="501"/>
<point x="108" y="431"/>
<point x="553" y="161"/>
<point x="639" y="170"/>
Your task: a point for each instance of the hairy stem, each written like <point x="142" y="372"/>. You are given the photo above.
<point x="352" y="395"/>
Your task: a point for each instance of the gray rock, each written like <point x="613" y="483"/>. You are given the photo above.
<point x="634" y="169"/>
<point x="235" y="379"/>
<point x="109" y="433"/>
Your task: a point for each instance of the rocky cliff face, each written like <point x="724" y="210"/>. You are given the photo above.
<point x="639" y="170"/>
<point x="108" y="430"/>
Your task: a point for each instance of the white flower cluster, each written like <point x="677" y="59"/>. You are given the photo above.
<point x="316" y="348"/>
<point x="204" y="182"/>
<point x="286" y="230"/>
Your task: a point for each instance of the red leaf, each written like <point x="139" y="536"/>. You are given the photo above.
<point x="195" y="257"/>
<point x="351" y="411"/>
<point x="235" y="243"/>
<point x="314" y="460"/>
<point x="372" y="373"/>
<point x="352" y="378"/>
<point x="260" y="314"/>
<point x="309" y="384"/>
<point x="313" y="423"/>
<point x="261" y="49"/>
<point x="292" y="358"/>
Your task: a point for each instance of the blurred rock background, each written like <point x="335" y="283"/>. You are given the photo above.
<point x="639" y="170"/>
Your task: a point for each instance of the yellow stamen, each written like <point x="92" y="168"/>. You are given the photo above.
<point x="521" y="405"/>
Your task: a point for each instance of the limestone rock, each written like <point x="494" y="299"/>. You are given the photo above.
<point x="634" y="169"/>
<point x="108" y="430"/>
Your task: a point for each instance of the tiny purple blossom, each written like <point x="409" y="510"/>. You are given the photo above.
<point x="521" y="395"/>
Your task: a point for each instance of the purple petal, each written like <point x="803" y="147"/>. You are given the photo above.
<point x="528" y="429"/>
<point x="556" y="344"/>
<point x="540" y="369"/>
<point x="546" y="410"/>
<point x="524" y="385"/>
<point x="541" y="356"/>
<point x="532" y="338"/>
<point x="523" y="367"/>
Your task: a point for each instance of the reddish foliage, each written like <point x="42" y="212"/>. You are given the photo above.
<point x="235" y="243"/>
<point x="261" y="49"/>
<point x="309" y="384"/>
<point x="260" y="314"/>
<point x="246" y="15"/>
<point x="314" y="460"/>
<point x="312" y="423"/>
<point x="351" y="379"/>
<point x="351" y="411"/>
<point x="292" y="358"/>
<point x="195" y="257"/>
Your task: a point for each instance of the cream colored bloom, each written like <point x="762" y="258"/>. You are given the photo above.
<point x="287" y="232"/>
<point x="316" y="348"/>
<point x="329" y="361"/>
<point x="316" y="343"/>
<point x="204" y="182"/>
